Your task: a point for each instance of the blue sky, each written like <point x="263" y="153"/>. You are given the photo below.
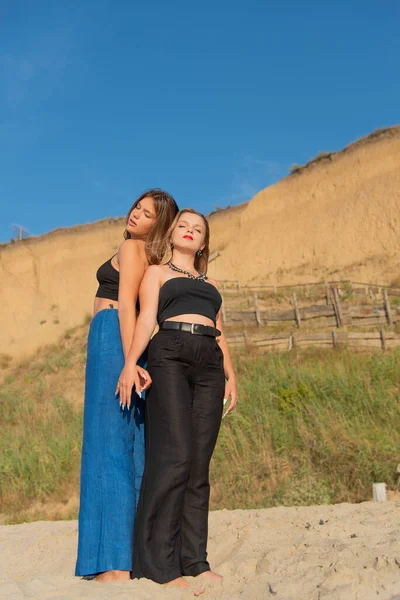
<point x="212" y="100"/>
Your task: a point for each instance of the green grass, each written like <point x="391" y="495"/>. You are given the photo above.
<point x="39" y="445"/>
<point x="312" y="426"/>
<point x="41" y="425"/>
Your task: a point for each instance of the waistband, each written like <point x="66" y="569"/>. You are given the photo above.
<point x="195" y="328"/>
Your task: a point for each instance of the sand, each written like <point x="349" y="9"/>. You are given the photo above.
<point x="340" y="552"/>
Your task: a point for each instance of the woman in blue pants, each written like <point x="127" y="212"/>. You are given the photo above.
<point x="113" y="436"/>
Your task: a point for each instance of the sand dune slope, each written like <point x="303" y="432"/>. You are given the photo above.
<point x="339" y="217"/>
<point x="341" y="552"/>
<point x="49" y="282"/>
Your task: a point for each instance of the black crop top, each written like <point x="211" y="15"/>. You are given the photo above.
<point x="108" y="278"/>
<point x="183" y="296"/>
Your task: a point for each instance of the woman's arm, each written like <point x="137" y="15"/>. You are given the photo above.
<point x="230" y="386"/>
<point x="146" y="321"/>
<point x="131" y="271"/>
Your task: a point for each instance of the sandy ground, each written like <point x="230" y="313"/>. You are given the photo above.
<point x="341" y="552"/>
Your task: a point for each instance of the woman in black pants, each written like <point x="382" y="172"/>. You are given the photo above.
<point x="191" y="375"/>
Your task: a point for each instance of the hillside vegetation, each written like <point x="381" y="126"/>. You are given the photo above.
<point x="312" y="427"/>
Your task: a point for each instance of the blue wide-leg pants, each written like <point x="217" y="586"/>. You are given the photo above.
<point x="112" y="455"/>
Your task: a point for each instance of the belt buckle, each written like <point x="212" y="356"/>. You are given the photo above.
<point x="192" y="328"/>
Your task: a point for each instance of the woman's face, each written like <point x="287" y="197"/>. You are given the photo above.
<point x="142" y="218"/>
<point x="189" y="232"/>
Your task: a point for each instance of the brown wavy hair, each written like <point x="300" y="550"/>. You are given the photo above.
<point x="200" y="262"/>
<point x="166" y="208"/>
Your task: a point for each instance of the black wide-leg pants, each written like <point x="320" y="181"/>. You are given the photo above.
<point x="183" y="416"/>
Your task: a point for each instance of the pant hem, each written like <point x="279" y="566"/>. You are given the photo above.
<point x="158" y="578"/>
<point x="195" y="570"/>
<point x="97" y="571"/>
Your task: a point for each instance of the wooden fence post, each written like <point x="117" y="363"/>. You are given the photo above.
<point x="296" y="311"/>
<point x="379" y="492"/>
<point x="383" y="339"/>
<point x="290" y="342"/>
<point x="334" y="338"/>
<point x="257" y="310"/>
<point x="338" y="310"/>
<point x="387" y="307"/>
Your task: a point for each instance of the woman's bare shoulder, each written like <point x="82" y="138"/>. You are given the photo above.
<point x="132" y="246"/>
<point x="156" y="271"/>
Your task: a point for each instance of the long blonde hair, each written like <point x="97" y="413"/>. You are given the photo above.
<point x="166" y="208"/>
<point x="200" y="262"/>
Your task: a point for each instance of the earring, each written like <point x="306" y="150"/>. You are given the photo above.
<point x="171" y="245"/>
<point x="199" y="252"/>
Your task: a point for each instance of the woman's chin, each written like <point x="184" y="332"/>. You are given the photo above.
<point x="133" y="230"/>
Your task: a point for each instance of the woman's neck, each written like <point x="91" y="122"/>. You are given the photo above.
<point x="183" y="262"/>
<point x="142" y="241"/>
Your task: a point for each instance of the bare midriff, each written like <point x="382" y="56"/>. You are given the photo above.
<point x="198" y="319"/>
<point x="102" y="303"/>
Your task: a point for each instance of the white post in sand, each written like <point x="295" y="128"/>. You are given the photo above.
<point x="379" y="492"/>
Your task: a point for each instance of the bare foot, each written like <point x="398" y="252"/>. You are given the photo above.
<point x="108" y="576"/>
<point x="182" y="584"/>
<point x="211" y="576"/>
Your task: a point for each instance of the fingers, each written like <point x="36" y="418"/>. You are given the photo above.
<point x="231" y="407"/>
<point x="122" y="394"/>
<point x="144" y="379"/>
<point x="148" y="383"/>
<point x="233" y="402"/>
<point x="140" y="379"/>
<point x="125" y="392"/>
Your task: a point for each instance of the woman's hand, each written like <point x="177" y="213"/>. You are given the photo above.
<point x="143" y="380"/>
<point x="230" y="390"/>
<point x="131" y="375"/>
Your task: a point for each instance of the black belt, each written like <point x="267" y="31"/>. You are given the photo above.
<point x="195" y="328"/>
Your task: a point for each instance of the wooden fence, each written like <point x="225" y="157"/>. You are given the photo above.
<point x="338" y="314"/>
<point x="333" y="307"/>
<point x="334" y="312"/>
<point x="382" y="339"/>
<point x="234" y="285"/>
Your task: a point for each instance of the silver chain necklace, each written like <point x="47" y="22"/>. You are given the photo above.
<point x="201" y="277"/>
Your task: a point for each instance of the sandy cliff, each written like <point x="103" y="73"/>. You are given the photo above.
<point x="337" y="217"/>
<point x="48" y="283"/>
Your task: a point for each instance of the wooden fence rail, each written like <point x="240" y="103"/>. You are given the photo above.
<point x="286" y="341"/>
<point x="337" y="314"/>
<point x="234" y="286"/>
